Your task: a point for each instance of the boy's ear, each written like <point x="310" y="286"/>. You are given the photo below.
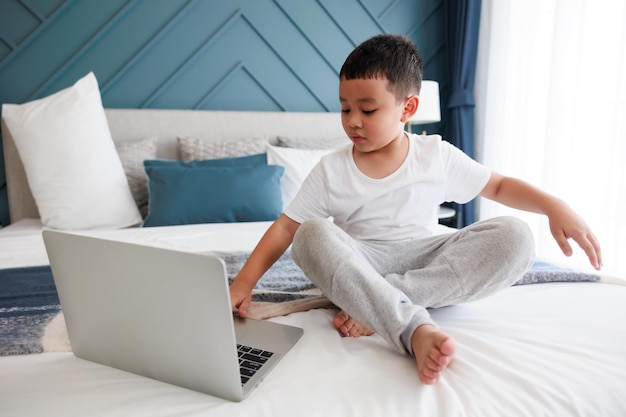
<point x="411" y="104"/>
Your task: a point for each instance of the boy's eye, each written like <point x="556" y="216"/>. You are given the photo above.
<point x="346" y="111"/>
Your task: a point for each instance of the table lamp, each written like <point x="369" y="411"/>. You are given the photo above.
<point x="428" y="110"/>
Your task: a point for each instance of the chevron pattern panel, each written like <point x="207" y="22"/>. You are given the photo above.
<point x="279" y="55"/>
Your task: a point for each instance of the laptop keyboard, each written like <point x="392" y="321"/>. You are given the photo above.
<point x="250" y="361"/>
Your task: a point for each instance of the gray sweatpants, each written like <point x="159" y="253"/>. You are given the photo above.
<point x="388" y="286"/>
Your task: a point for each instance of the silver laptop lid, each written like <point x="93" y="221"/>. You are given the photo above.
<point x="155" y="312"/>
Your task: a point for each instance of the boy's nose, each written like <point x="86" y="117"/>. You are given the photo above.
<point x="354" y="121"/>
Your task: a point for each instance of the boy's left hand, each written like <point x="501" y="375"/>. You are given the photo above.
<point x="565" y="224"/>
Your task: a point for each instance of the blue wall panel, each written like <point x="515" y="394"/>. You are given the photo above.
<point x="272" y="55"/>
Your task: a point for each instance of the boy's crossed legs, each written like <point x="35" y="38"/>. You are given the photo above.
<point x="362" y="279"/>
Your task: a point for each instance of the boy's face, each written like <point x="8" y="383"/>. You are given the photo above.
<point x="371" y="116"/>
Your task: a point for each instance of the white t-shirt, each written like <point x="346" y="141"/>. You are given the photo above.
<point x="400" y="206"/>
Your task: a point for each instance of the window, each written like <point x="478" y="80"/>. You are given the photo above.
<point x="551" y="109"/>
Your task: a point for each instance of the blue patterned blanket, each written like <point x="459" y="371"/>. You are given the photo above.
<point x="29" y="302"/>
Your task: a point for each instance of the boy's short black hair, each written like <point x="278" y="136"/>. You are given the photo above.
<point x="392" y="57"/>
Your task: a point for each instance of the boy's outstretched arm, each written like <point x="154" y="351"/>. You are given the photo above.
<point x="272" y="245"/>
<point x="565" y="224"/>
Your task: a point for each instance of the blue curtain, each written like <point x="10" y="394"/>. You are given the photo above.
<point x="462" y="24"/>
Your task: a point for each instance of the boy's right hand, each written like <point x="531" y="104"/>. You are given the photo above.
<point x="240" y="297"/>
<point x="271" y="246"/>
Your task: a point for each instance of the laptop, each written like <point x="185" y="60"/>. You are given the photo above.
<point x="161" y="313"/>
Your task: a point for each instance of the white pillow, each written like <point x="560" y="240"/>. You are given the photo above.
<point x="298" y="163"/>
<point x="71" y="164"/>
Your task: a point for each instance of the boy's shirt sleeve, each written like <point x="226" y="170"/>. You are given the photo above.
<point x="312" y="198"/>
<point x="465" y="178"/>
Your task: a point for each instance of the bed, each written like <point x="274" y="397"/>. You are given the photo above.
<point x="553" y="347"/>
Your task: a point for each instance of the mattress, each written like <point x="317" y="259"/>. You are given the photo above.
<point x="21" y="243"/>
<point x="553" y="349"/>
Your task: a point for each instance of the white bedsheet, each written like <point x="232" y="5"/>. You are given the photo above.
<point x="537" y="350"/>
<point x="21" y="243"/>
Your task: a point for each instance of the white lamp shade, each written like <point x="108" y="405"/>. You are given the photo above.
<point x="428" y="110"/>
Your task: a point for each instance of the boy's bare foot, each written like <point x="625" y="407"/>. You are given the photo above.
<point x="349" y="327"/>
<point x="433" y="351"/>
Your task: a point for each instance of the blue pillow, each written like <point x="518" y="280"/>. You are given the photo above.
<point x="200" y="192"/>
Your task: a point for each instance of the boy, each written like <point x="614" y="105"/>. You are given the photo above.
<point x="378" y="260"/>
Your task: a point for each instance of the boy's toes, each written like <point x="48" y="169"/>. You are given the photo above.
<point x="433" y="350"/>
<point x="340" y="319"/>
<point x="349" y="327"/>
